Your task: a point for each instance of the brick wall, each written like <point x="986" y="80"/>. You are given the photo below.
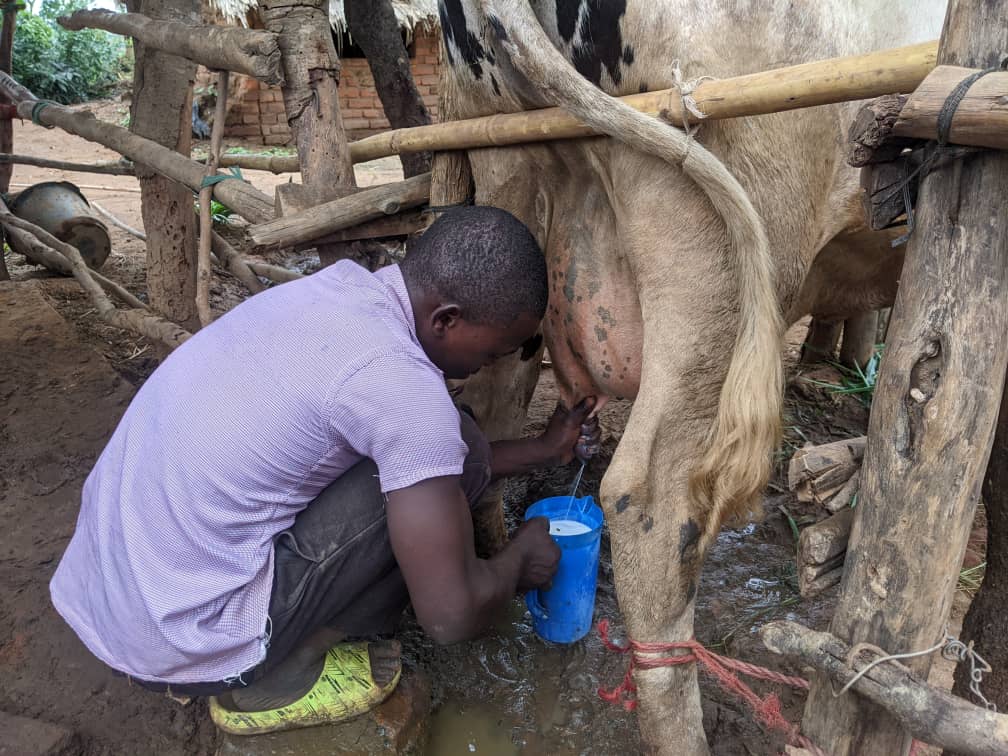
<point x="256" y="110"/>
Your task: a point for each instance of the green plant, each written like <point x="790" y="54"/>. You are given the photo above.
<point x="855" y="381"/>
<point x="970" y="578"/>
<point x="219" y="212"/>
<point x="60" y="65"/>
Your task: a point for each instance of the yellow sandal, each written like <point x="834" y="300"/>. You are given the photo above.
<point x="344" y="690"/>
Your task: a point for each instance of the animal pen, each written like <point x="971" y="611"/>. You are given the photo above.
<point x="931" y="150"/>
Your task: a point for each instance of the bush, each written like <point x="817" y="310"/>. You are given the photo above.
<point x="60" y="65"/>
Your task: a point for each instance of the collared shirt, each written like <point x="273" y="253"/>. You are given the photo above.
<point x="169" y="572"/>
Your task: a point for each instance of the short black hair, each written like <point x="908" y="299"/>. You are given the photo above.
<point x="484" y="259"/>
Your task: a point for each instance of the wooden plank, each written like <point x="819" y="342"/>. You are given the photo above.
<point x="803" y="86"/>
<point x="932" y="716"/>
<point x="328" y="217"/>
<point x="933" y="417"/>
<point x="402" y="224"/>
<point x="980" y="119"/>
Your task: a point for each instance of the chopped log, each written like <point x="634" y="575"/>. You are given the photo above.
<point x="932" y="423"/>
<point x="328" y="217"/>
<point x="231" y="261"/>
<point x="817" y="473"/>
<point x="837" y="80"/>
<point x="402" y="224"/>
<point x="930" y="715"/>
<point x="110" y="168"/>
<point x="869" y="139"/>
<point x="842" y="498"/>
<point x="821" y="542"/>
<point x="206" y="218"/>
<point x="251" y="52"/>
<point x="139" y="320"/>
<point x="821" y="549"/>
<point x="240" y="196"/>
<point x="858" y="344"/>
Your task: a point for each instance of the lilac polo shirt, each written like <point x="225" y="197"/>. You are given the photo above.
<point x="169" y="572"/>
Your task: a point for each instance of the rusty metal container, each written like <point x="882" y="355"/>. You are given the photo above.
<point x="61" y="209"/>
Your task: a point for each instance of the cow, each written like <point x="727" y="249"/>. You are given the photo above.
<point x="675" y="259"/>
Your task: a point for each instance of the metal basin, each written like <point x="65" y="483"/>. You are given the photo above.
<point x="61" y="209"/>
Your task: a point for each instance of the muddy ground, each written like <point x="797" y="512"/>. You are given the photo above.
<point x="65" y="378"/>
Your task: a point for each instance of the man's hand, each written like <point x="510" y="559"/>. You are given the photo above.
<point x="572" y="433"/>
<point x="540" y="554"/>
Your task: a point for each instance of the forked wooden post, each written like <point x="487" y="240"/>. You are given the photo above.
<point x="933" y="418"/>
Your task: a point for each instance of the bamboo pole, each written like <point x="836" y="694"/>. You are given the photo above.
<point x="139" y="319"/>
<point x="239" y="195"/>
<point x="251" y="52"/>
<point x="111" y="168"/>
<point x="930" y="715"/>
<point x="328" y="217"/>
<point x="822" y="82"/>
<point x="205" y="195"/>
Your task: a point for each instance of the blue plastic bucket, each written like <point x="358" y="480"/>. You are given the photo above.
<point x="563" y="614"/>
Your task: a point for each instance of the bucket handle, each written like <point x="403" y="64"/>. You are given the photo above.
<point x="535" y="607"/>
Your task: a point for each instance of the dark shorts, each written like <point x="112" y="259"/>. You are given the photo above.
<point x="334" y="566"/>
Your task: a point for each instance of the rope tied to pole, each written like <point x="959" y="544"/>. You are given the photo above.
<point x="951" y="648"/>
<point x="215" y="178"/>
<point x="722" y="668"/>
<point x="935" y="149"/>
<point x="689" y="104"/>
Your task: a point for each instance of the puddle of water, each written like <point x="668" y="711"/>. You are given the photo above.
<point x="462" y="727"/>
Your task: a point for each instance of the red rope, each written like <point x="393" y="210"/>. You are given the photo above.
<point x="767" y="709"/>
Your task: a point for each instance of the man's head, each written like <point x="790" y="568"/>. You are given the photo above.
<point x="477" y="282"/>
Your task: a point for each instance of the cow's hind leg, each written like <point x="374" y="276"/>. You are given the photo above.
<point x="658" y="535"/>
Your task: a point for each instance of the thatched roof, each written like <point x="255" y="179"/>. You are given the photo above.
<point x="410" y="13"/>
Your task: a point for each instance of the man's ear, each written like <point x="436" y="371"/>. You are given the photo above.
<point x="444" y="318"/>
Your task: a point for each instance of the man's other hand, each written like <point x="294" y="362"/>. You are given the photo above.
<point x="540" y="554"/>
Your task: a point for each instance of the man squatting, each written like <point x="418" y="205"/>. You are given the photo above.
<point x="296" y="473"/>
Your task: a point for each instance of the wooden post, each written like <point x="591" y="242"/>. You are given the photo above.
<point x="311" y="101"/>
<point x="161" y="111"/>
<point x="933" y="418"/>
<point x="6" y="125"/>
<point x="224" y="48"/>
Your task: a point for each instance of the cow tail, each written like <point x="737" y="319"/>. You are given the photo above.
<point x="735" y="462"/>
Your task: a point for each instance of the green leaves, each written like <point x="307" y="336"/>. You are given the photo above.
<point x="61" y="65"/>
